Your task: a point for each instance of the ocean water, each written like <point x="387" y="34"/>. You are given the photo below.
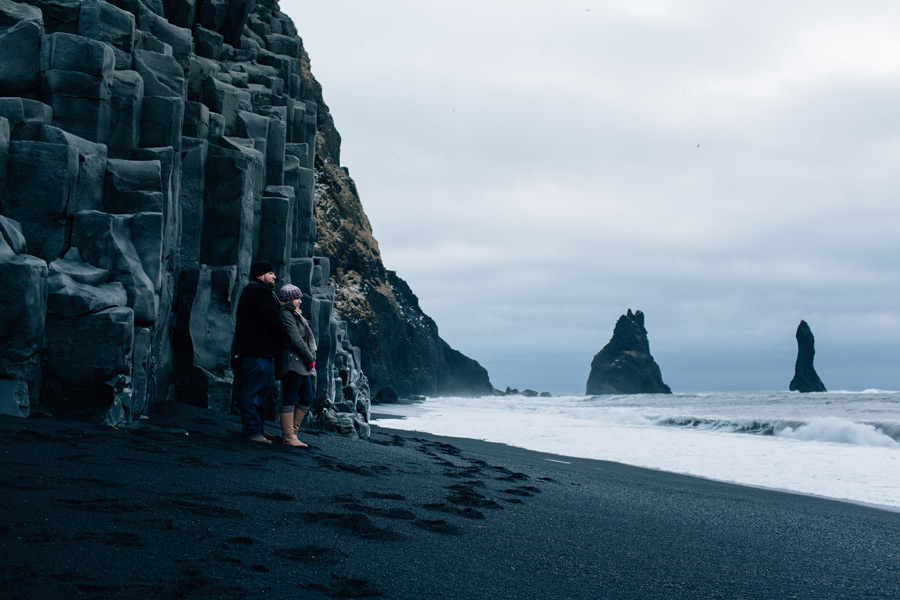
<point x="842" y="445"/>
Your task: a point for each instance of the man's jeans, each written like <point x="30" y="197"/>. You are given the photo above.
<point x="255" y="375"/>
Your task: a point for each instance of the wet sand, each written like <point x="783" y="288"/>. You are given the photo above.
<point x="180" y="507"/>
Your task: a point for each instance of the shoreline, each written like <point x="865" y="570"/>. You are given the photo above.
<point x="566" y="459"/>
<point x="772" y="443"/>
<point x="180" y="506"/>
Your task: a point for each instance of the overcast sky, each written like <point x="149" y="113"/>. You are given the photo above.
<point x="534" y="169"/>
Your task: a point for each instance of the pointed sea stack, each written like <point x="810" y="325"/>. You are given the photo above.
<point x="624" y="365"/>
<point x="805" y="377"/>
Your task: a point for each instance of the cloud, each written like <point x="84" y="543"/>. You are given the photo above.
<point x="535" y="169"/>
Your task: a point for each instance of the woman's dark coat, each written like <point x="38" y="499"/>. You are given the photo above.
<point x="299" y="350"/>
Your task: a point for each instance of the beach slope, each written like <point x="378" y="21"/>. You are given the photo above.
<point x="180" y="506"/>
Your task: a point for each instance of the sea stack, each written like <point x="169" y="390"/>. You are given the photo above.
<point x="805" y="377"/>
<point x="624" y="365"/>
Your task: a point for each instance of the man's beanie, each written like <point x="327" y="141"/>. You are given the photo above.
<point x="289" y="292"/>
<point x="260" y="268"/>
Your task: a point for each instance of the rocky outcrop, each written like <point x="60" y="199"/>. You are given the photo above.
<point x="805" y="377"/>
<point x="149" y="153"/>
<point x="23" y="309"/>
<point x="624" y="365"/>
<point x="402" y="351"/>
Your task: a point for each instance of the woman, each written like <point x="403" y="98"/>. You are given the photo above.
<point x="295" y="365"/>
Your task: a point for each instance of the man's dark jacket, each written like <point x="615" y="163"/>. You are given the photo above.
<point x="258" y="330"/>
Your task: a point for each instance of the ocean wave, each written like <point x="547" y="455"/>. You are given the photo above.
<point x="751" y="426"/>
<point x="825" y="429"/>
<point x="834" y="429"/>
<point x="870" y="391"/>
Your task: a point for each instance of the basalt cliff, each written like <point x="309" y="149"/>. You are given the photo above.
<point x="150" y="151"/>
<point x="624" y="365"/>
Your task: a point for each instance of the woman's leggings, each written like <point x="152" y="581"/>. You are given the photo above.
<point x="296" y="392"/>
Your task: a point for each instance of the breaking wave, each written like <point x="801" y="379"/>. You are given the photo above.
<point x="825" y="429"/>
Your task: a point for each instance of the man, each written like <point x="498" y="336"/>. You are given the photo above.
<point x="258" y="338"/>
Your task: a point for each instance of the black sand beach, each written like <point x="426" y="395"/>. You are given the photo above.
<point x="180" y="507"/>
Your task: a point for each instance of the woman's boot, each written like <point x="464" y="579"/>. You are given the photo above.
<point x="288" y="435"/>
<point x="299" y="415"/>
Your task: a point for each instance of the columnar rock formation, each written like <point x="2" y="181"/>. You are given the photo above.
<point x="150" y="151"/>
<point x="624" y="365"/>
<point x="805" y="377"/>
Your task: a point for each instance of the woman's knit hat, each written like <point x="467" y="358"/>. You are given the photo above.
<point x="289" y="292"/>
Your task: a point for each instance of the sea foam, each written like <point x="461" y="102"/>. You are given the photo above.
<point x="838" y="445"/>
<point x="841" y="431"/>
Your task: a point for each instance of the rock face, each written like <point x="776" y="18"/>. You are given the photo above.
<point x="624" y="365"/>
<point x="805" y="377"/>
<point x="149" y="153"/>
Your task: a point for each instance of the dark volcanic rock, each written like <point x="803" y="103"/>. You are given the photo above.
<point x="624" y="365"/>
<point x="805" y="377"/>
<point x="150" y="151"/>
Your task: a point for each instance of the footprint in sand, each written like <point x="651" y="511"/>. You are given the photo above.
<point x="356" y="523"/>
<point x="346" y="587"/>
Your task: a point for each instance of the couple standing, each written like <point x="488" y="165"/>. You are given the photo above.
<point x="271" y="335"/>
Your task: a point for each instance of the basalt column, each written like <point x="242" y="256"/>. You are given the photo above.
<point x="149" y="153"/>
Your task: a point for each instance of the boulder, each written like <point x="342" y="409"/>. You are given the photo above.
<point x="277" y="137"/>
<point x="104" y="22"/>
<point x="72" y="266"/>
<point x="161" y="122"/>
<point x="26" y="117"/>
<point x="105" y="241"/>
<point x="40" y="186"/>
<point x="162" y="74"/>
<point x="253" y="127"/>
<point x="126" y="106"/>
<point x="190" y="200"/>
<point x="205" y="327"/>
<point x="4" y="153"/>
<point x="88" y="362"/>
<point x="180" y="39"/>
<point x="208" y="44"/>
<point x="23" y="308"/>
<point x="59" y="15"/>
<point x="14" y="399"/>
<point x="12" y="236"/>
<point x="196" y="121"/>
<point x="226" y="100"/>
<point x="805" y="377"/>
<point x="92" y="157"/>
<point x="20" y="69"/>
<point x="301" y="274"/>
<point x="12" y="13"/>
<point x="169" y="159"/>
<point x="133" y="186"/>
<point x="624" y="365"/>
<point x="275" y="238"/>
<point x="77" y="78"/>
<point x="69" y="299"/>
<point x="232" y="207"/>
